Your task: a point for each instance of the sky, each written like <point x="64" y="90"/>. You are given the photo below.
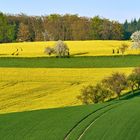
<point x="119" y="10"/>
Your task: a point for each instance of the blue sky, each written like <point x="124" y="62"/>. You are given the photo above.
<point x="114" y="9"/>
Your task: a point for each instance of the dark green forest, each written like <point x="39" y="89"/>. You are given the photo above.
<point x="21" y="27"/>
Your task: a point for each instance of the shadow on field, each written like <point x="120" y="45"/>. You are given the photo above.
<point x="127" y="96"/>
<point x="82" y="53"/>
<point x="131" y="95"/>
<point x="3" y="54"/>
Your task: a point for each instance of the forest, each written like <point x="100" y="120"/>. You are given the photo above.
<point x="24" y="28"/>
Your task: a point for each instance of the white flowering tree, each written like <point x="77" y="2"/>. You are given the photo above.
<point x="136" y="40"/>
<point x="61" y="49"/>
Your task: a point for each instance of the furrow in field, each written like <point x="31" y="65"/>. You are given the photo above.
<point x="70" y="133"/>
<point x="95" y="120"/>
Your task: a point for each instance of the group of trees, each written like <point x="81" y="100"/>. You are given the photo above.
<point x="62" y="27"/>
<point x="110" y="87"/>
<point x="130" y="27"/>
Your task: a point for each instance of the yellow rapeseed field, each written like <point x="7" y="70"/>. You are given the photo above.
<point x="78" y="48"/>
<point x="24" y="89"/>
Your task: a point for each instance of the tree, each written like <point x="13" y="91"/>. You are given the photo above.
<point x="96" y="27"/>
<point x="94" y="94"/>
<point x="61" y="49"/>
<point x="123" y="48"/>
<point x="49" y="50"/>
<point x="117" y="82"/>
<point x="136" y="71"/>
<point x="81" y="29"/>
<point x="39" y="29"/>
<point x="87" y="95"/>
<point x="103" y="92"/>
<point x="23" y="33"/>
<point x="134" y="79"/>
<point x="132" y="83"/>
<point x="7" y="31"/>
<point x="136" y="40"/>
<point x="54" y="26"/>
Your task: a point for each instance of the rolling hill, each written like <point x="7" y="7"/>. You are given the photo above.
<point x="108" y="121"/>
<point x="34" y="86"/>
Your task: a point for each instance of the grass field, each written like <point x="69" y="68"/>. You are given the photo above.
<point x="27" y="89"/>
<point x="73" y="62"/>
<point x="77" y="48"/>
<point x="108" y="121"/>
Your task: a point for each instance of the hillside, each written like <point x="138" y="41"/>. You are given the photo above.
<point x="36" y="88"/>
<point x="38" y="93"/>
<point x="68" y="73"/>
<point x="109" y="121"/>
<point x="31" y="80"/>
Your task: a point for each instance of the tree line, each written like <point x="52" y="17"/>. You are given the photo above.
<point x="110" y="87"/>
<point x="20" y="28"/>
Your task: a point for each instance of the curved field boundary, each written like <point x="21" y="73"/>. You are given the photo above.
<point x="77" y="124"/>
<point x="96" y="119"/>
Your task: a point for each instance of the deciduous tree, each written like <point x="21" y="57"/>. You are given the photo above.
<point x="117" y="82"/>
<point x="23" y="33"/>
<point x="136" y="40"/>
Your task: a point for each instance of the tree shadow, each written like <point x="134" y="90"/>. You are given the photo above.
<point x="82" y="53"/>
<point x="3" y="54"/>
<point x="130" y="95"/>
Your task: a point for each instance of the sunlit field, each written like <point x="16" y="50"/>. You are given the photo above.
<point x="69" y="74"/>
<point x="77" y="48"/>
<point x="31" y="82"/>
<point x="30" y="89"/>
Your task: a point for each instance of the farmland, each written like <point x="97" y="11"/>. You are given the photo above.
<point x="68" y="73"/>
<point x="30" y="89"/>
<point x="73" y="62"/>
<point x="77" y="48"/>
<point x="33" y="80"/>
<point x="38" y="93"/>
<point x="100" y="121"/>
